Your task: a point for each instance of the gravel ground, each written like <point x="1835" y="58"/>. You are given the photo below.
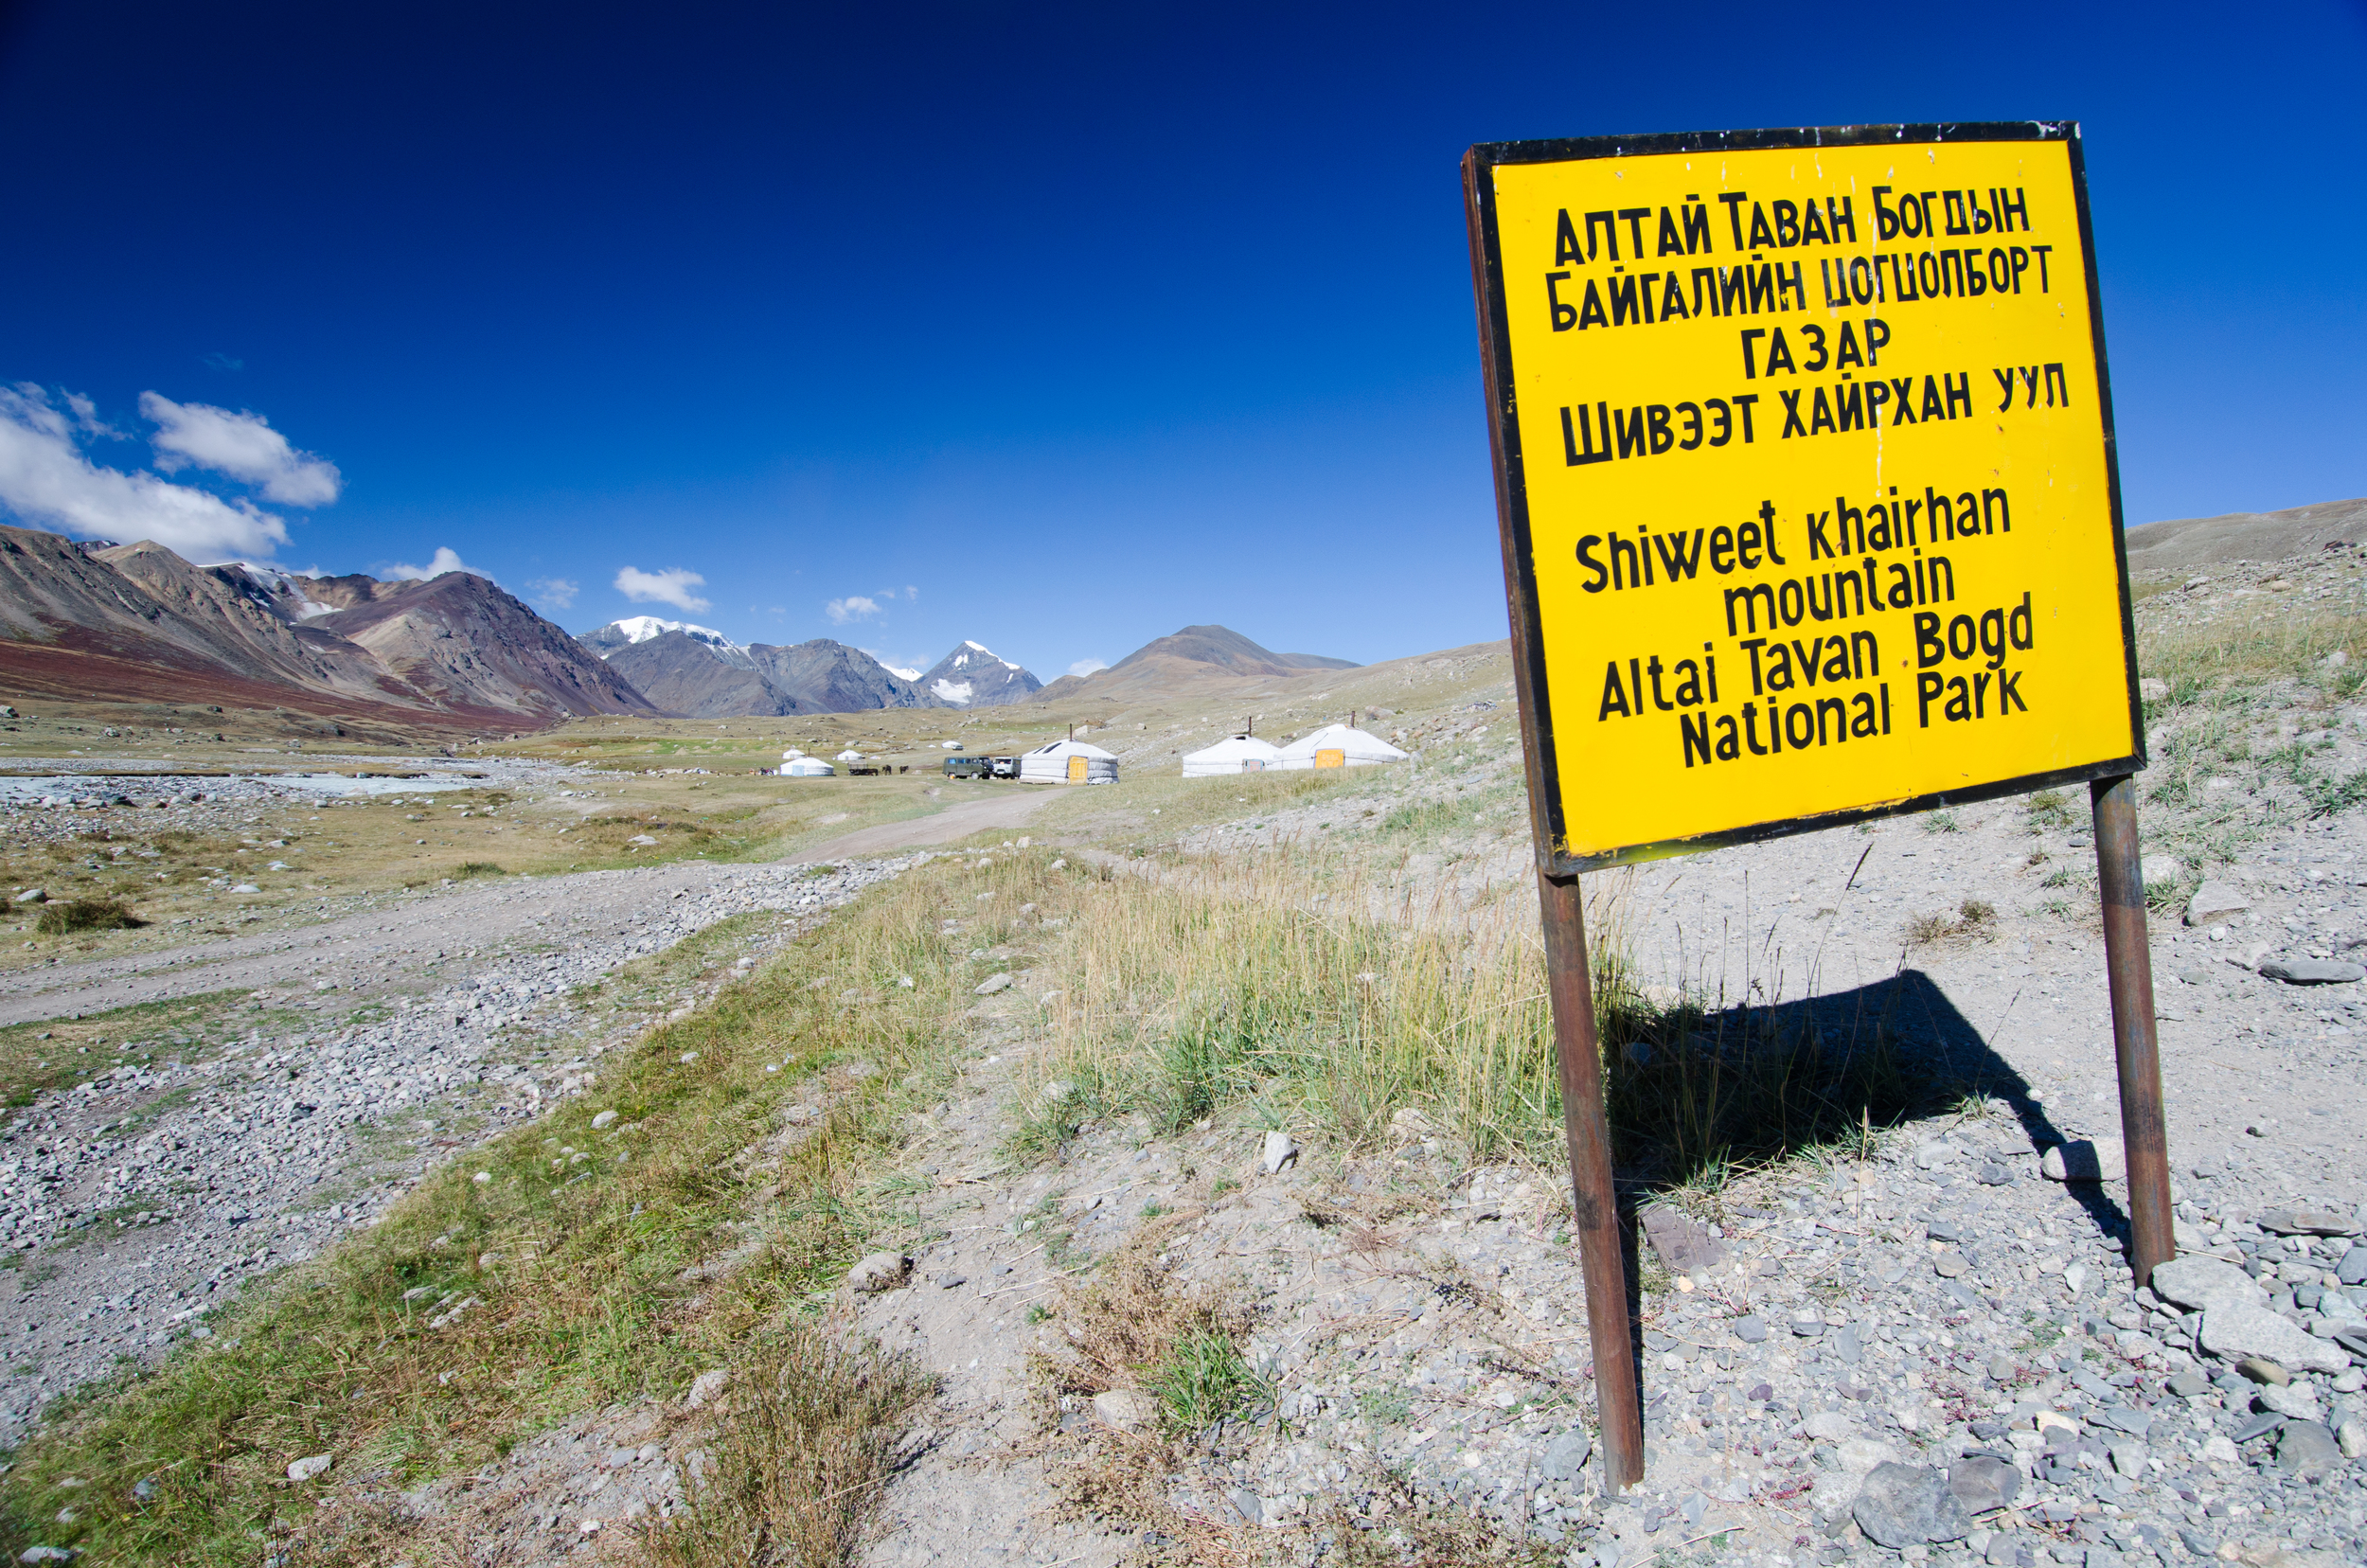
<point x="135" y="1203"/>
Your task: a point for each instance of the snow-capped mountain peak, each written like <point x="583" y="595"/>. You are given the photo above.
<point x="641" y="628"/>
<point x="973" y="675"/>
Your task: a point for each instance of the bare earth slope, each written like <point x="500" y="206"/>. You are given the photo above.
<point x="2246" y="536"/>
<point x="136" y="622"/>
<point x="467" y="644"/>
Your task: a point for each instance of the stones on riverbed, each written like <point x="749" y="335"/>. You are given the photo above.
<point x="2314" y="972"/>
<point x="1281" y="1150"/>
<point x="2215" y="900"/>
<point x="1125" y="1409"/>
<point x="1750" y="1329"/>
<point x="882" y="1270"/>
<point x="1808" y="1324"/>
<point x="2085" y="1160"/>
<point x="1903" y="1506"/>
<point x="991" y="984"/>
<point x="312" y="1465"/>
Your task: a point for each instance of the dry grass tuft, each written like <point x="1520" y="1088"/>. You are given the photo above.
<point x="61" y="919"/>
<point x="1974" y="918"/>
<point x="812" y="1437"/>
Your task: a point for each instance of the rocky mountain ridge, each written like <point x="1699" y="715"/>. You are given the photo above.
<point x="137" y="622"/>
<point x="696" y="672"/>
<point x="974" y="676"/>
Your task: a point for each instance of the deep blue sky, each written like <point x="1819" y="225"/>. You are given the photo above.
<point x="1085" y="322"/>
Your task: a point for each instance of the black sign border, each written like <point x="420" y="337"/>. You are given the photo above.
<point x="1547" y="821"/>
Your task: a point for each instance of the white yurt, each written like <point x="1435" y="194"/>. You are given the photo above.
<point x="807" y="767"/>
<point x="850" y="754"/>
<point x="1339" y="746"/>
<point x="950" y="745"/>
<point x="1068" y="762"/>
<point x="1239" y="755"/>
<point x="791" y="754"/>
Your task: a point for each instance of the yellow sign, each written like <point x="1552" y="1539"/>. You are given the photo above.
<point x="1805" y="461"/>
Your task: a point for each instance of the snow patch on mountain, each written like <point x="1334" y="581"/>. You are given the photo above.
<point x="636" y="629"/>
<point x="956" y="692"/>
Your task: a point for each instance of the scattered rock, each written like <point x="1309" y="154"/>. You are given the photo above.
<point x="2352" y="1439"/>
<point x="882" y="1270"/>
<point x="2307" y="1447"/>
<point x="34" y="895"/>
<point x="2159" y="870"/>
<point x="605" y="1119"/>
<point x="2314" y="972"/>
<point x="2235" y="1329"/>
<point x="1829" y="1426"/>
<point x="2296" y="1400"/>
<point x="1682" y="1243"/>
<point x="45" y="1554"/>
<point x="2215" y="900"/>
<point x="305" y="1468"/>
<point x="1750" y="1329"/>
<point x="1281" y="1150"/>
<point x="1983" y="1482"/>
<point x="991" y="983"/>
<point x="2085" y="1160"/>
<point x="1864" y="1455"/>
<point x="2303" y="1222"/>
<point x="1904" y="1506"/>
<point x="1567" y="1454"/>
<point x="2202" y="1283"/>
<point x="1125" y="1409"/>
<point x="705" y="1386"/>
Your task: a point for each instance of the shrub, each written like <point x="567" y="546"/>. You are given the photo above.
<point x="60" y="919"/>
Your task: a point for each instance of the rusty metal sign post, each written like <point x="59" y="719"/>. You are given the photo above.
<point x="1810" y="514"/>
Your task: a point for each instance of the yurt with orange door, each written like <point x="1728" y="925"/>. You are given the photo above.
<point x="1339" y="746"/>
<point x="1068" y="762"/>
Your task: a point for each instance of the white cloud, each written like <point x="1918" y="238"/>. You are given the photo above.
<point x="671" y="586"/>
<point x="853" y="607"/>
<point x="445" y="559"/>
<point x="558" y="593"/>
<point x="242" y="445"/>
<point x="45" y="480"/>
<point x="1086" y="667"/>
